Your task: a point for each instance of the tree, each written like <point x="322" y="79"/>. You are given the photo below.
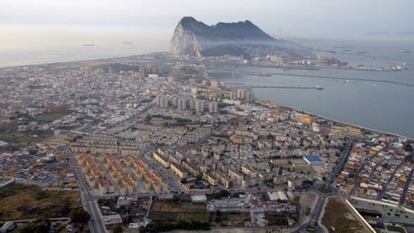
<point x="39" y="226"/>
<point x="66" y="206"/>
<point x="41" y="195"/>
<point x="218" y="216"/>
<point x="80" y="216"/>
<point x="307" y="211"/>
<point x="224" y="193"/>
<point x="410" y="158"/>
<point x="32" y="151"/>
<point x="117" y="229"/>
<point x="198" y="178"/>
<point x="408" y="147"/>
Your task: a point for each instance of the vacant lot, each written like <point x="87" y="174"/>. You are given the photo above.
<point x="51" y="116"/>
<point x="171" y="211"/>
<point x="20" y="201"/>
<point x="276" y="219"/>
<point x="24" y="137"/>
<point x="229" y="219"/>
<point x="339" y="218"/>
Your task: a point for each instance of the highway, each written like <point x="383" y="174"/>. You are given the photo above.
<point x="315" y="215"/>
<point x="88" y="200"/>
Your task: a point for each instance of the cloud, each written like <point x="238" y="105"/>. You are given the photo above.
<point x="275" y="16"/>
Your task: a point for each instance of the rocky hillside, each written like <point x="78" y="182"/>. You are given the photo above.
<point x="195" y="38"/>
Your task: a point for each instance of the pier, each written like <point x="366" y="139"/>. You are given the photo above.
<point x="288" y="87"/>
<point x="275" y="87"/>
<point x="312" y="76"/>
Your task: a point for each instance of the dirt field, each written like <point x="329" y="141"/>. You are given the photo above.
<point x="339" y="218"/>
<point x="172" y="211"/>
<point x="229" y="219"/>
<point x="20" y="201"/>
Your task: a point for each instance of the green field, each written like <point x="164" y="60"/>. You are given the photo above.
<point x="20" y="201"/>
<point x="48" y="117"/>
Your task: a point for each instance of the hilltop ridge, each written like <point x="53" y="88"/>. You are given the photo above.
<point x="195" y="38"/>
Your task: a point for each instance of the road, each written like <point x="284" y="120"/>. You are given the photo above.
<point x="344" y="156"/>
<point x="384" y="188"/>
<point x="358" y="179"/>
<point x="407" y="185"/>
<point x="173" y="184"/>
<point x="88" y="200"/>
<point x="97" y="226"/>
<point x="315" y="215"/>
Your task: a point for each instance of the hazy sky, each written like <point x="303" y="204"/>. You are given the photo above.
<point x="283" y="18"/>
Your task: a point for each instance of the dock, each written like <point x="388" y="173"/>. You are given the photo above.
<point x="274" y="87"/>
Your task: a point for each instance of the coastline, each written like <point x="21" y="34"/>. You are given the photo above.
<point x="338" y="121"/>
<point x="263" y="100"/>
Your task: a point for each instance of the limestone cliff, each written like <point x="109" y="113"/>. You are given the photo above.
<point x="195" y="38"/>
